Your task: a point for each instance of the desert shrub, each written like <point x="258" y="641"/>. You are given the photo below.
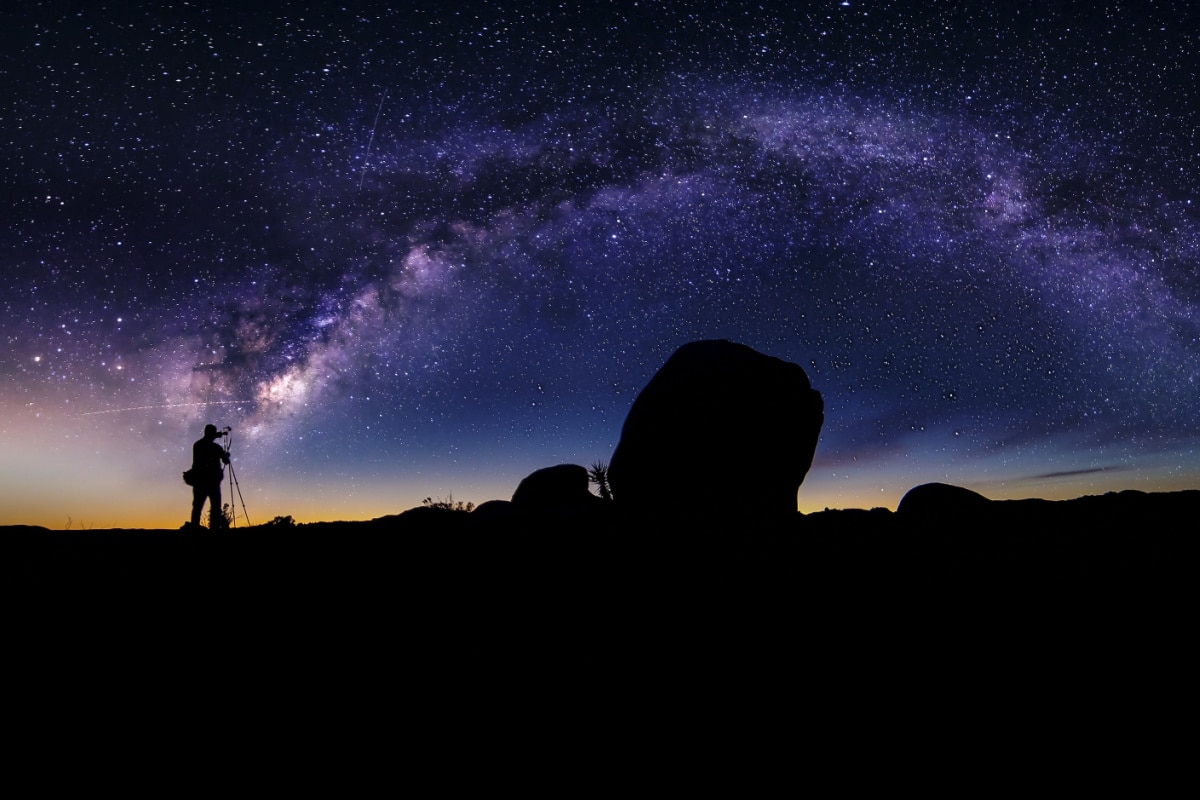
<point x="448" y="504"/>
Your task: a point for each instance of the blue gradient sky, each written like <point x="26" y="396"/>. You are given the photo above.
<point x="423" y="251"/>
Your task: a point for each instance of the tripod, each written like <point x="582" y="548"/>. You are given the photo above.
<point x="233" y="484"/>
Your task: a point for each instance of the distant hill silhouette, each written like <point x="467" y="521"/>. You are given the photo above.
<point x="928" y="509"/>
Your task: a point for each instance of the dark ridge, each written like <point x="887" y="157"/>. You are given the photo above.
<point x="955" y="516"/>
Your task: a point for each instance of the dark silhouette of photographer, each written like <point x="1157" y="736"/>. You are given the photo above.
<point x="205" y="477"/>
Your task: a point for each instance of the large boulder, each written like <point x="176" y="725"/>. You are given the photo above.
<point x="721" y="430"/>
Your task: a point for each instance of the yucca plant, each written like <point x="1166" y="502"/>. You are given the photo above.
<point x="598" y="475"/>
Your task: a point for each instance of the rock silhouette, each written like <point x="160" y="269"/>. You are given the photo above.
<point x="546" y="499"/>
<point x="554" y="489"/>
<point x="558" y="496"/>
<point x="941" y="504"/>
<point x="722" y="431"/>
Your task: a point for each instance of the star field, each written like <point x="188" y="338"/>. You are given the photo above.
<point x="423" y="250"/>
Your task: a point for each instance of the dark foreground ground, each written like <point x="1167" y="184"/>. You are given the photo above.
<point x="952" y="642"/>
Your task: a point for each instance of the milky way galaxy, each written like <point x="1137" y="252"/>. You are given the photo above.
<point x="426" y="250"/>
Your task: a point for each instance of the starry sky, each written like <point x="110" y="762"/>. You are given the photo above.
<point x="422" y="249"/>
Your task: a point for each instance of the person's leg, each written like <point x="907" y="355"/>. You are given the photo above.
<point x="199" y="494"/>
<point x="214" y="499"/>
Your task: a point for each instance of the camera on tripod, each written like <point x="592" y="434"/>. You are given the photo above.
<point x="224" y="431"/>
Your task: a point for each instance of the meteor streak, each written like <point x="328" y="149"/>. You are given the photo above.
<point x="164" y="405"/>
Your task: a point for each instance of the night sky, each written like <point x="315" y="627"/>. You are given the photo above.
<point x="425" y="249"/>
